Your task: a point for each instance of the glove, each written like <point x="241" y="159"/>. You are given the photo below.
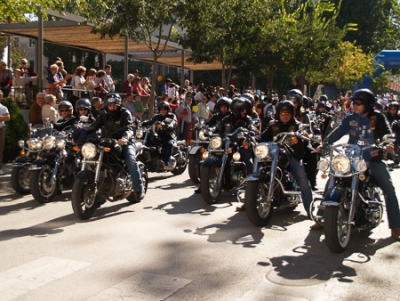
<point x="79" y="135"/>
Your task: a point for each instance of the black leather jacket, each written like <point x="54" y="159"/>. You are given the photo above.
<point x="230" y="123"/>
<point x="61" y="124"/>
<point x="170" y="121"/>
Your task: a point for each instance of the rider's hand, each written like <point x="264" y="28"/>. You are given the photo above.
<point x="318" y="149"/>
<point x="122" y="141"/>
<point x="389" y="148"/>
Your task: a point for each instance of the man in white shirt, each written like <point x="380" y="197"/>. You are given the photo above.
<point x="4" y="116"/>
<point x="110" y="83"/>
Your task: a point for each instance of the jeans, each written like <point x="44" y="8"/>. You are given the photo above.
<point x="381" y="174"/>
<point x="297" y="169"/>
<point x="168" y="149"/>
<point x="129" y="155"/>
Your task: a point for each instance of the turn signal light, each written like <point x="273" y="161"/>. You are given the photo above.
<point x="107" y="149"/>
<point x="75" y="148"/>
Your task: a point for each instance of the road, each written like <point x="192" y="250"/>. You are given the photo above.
<point x="173" y="246"/>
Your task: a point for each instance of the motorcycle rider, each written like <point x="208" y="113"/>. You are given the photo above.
<point x="365" y="126"/>
<point x="117" y="123"/>
<point x="392" y="114"/>
<point x="287" y="123"/>
<point x="67" y="119"/>
<point x="167" y="133"/>
<point x="83" y="107"/>
<point x="223" y="109"/>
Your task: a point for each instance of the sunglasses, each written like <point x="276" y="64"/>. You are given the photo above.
<point x="285" y="114"/>
<point x="357" y="103"/>
<point x="83" y="109"/>
<point x="63" y="111"/>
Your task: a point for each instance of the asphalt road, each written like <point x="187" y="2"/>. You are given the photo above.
<point x="173" y="246"/>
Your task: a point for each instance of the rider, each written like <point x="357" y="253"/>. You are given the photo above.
<point x="392" y="114"/>
<point x="67" y="119"/>
<point x="167" y="132"/>
<point x="117" y="123"/>
<point x="223" y="108"/>
<point x="287" y="123"/>
<point x="83" y="108"/>
<point x="365" y="126"/>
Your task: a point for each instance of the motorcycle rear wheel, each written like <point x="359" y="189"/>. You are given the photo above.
<point x="83" y="202"/>
<point x="145" y="182"/>
<point x="208" y="186"/>
<point x="337" y="231"/>
<point x="194" y="168"/>
<point x="181" y="164"/>
<point x="258" y="210"/>
<point x="20" y="179"/>
<point x="42" y="190"/>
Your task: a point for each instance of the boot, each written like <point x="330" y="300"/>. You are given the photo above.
<point x="396" y="234"/>
<point x="316" y="226"/>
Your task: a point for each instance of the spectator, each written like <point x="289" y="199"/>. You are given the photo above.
<point x="165" y="87"/>
<point x="19" y="86"/>
<point x="204" y="110"/>
<point x="127" y="85"/>
<point x="49" y="109"/>
<point x="138" y="104"/>
<point x="4" y="117"/>
<point x="136" y="73"/>
<point x="79" y="82"/>
<point x="184" y="116"/>
<point x="6" y="78"/>
<point x="97" y="106"/>
<point x="109" y="82"/>
<point x="56" y="81"/>
<point x="27" y="72"/>
<point x="101" y="85"/>
<point x="212" y="101"/>
<point x="35" y="111"/>
<point x="91" y="78"/>
<point x="128" y="104"/>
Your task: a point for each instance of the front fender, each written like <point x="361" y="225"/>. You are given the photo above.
<point x="21" y="161"/>
<point x="84" y="174"/>
<point x="38" y="164"/>
<point x="332" y="197"/>
<point x="195" y="150"/>
<point x="210" y="161"/>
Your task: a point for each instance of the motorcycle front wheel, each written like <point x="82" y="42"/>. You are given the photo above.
<point x="337" y="230"/>
<point x="258" y="209"/>
<point x="194" y="168"/>
<point x="43" y="191"/>
<point x="208" y="186"/>
<point x="20" y="179"/>
<point x="84" y="201"/>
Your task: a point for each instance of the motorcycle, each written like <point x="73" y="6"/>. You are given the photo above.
<point x="27" y="154"/>
<point x="55" y="167"/>
<point x="222" y="168"/>
<point x="199" y="146"/>
<point x="104" y="176"/>
<point x="153" y="150"/>
<point x="351" y="197"/>
<point x="272" y="185"/>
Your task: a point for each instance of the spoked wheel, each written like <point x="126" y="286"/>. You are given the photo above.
<point x="194" y="168"/>
<point x="208" y="187"/>
<point x="145" y="182"/>
<point x="258" y="208"/>
<point x="337" y="229"/>
<point x="84" y="201"/>
<point x="20" y="179"/>
<point x="43" y="190"/>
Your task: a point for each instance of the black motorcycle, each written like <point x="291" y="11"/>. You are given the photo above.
<point x="153" y="150"/>
<point x="351" y="197"/>
<point x="104" y="177"/>
<point x="55" y="168"/>
<point x="199" y="146"/>
<point x="222" y="168"/>
<point x="272" y="185"/>
<point x="27" y="154"/>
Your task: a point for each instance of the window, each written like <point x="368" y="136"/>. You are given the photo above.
<point x="32" y="43"/>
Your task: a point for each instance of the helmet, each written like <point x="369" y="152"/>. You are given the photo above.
<point x="285" y="105"/>
<point x="295" y="95"/>
<point x="366" y="97"/>
<point x="323" y="98"/>
<point x="321" y="105"/>
<point x="224" y="101"/>
<point x="249" y="97"/>
<point x="66" y="105"/>
<point x="83" y="103"/>
<point x="240" y="103"/>
<point x="112" y="99"/>
<point x="163" y="104"/>
<point x="394" y="104"/>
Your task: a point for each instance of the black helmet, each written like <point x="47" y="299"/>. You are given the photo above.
<point x="285" y="105"/>
<point x="249" y="97"/>
<point x="295" y="95"/>
<point x="239" y="104"/>
<point x="66" y="105"/>
<point x="224" y="101"/>
<point x="112" y="99"/>
<point x="321" y="105"/>
<point x="323" y="98"/>
<point x="394" y="104"/>
<point x="366" y="97"/>
<point x="83" y="103"/>
<point x="163" y="104"/>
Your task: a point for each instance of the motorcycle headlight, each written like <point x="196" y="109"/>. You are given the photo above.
<point x="202" y="135"/>
<point x="341" y="164"/>
<point x="34" y="144"/>
<point x="205" y="155"/>
<point x="49" y="142"/>
<point x="21" y="143"/>
<point x="261" y="151"/>
<point x="60" y="143"/>
<point x="139" y="134"/>
<point x="361" y="165"/>
<point x="89" y="151"/>
<point x="323" y="165"/>
<point x="216" y="142"/>
<point x="236" y="156"/>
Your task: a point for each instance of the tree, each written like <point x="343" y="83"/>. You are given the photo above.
<point x="148" y="21"/>
<point x="23" y="10"/>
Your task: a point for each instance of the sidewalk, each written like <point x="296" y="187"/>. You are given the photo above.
<point x="5" y="180"/>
